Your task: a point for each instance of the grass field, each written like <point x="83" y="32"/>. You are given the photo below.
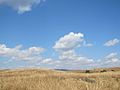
<point x="39" y="79"/>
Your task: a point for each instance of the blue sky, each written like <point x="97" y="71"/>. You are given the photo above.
<point x="42" y="23"/>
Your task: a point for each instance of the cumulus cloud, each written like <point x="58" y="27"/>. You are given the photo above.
<point x="32" y="56"/>
<point x="69" y="41"/>
<point x="112" y="57"/>
<point x="71" y="56"/>
<point x="47" y="60"/>
<point x="21" y="6"/>
<point x="71" y="60"/>
<point x="111" y="60"/>
<point x="67" y="57"/>
<point x="66" y="46"/>
<point x="31" y="53"/>
<point x="112" y="42"/>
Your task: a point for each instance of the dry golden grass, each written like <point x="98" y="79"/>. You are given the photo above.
<point x="36" y="79"/>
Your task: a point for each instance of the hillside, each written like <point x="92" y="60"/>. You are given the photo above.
<point x="40" y="79"/>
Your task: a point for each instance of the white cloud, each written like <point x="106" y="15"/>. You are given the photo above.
<point x="21" y="6"/>
<point x="68" y="42"/>
<point x="67" y="56"/>
<point x="110" y="60"/>
<point x="66" y="46"/>
<point x="47" y="60"/>
<point x="112" y="57"/>
<point x="112" y="42"/>
<point x="67" y="59"/>
<point x="31" y="53"/>
<point x="87" y="44"/>
<point x="72" y="57"/>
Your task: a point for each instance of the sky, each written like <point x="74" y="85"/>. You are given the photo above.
<point x="62" y="34"/>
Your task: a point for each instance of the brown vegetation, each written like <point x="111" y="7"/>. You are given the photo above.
<point x="36" y="79"/>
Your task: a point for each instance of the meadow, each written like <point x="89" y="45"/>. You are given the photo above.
<point x="46" y="79"/>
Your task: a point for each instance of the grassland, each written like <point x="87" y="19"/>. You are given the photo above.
<point x="39" y="79"/>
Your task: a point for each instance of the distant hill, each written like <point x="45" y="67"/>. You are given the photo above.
<point x="96" y="70"/>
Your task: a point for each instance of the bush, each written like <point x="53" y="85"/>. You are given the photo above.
<point x="103" y="71"/>
<point x="87" y="71"/>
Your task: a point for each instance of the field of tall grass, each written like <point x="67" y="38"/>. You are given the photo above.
<point x="39" y="79"/>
